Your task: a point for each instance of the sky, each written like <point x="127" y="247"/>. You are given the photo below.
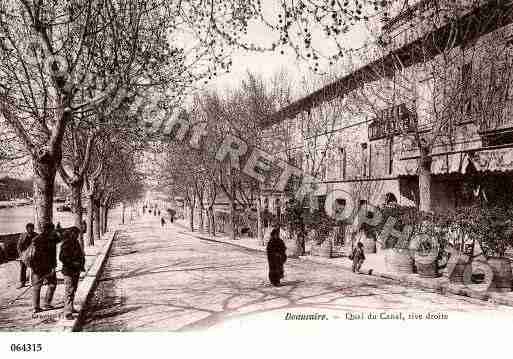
<point x="269" y="63"/>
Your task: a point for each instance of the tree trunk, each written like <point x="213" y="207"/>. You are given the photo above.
<point x="96" y="220"/>
<point x="76" y="208"/>
<point x="191" y="218"/>
<point x="201" y="221"/>
<point x="260" y="234"/>
<point x="105" y="218"/>
<point x="105" y="211"/>
<point x="233" y="230"/>
<point x="122" y="212"/>
<point x="300" y="241"/>
<point x="425" y="182"/>
<point x="102" y="219"/>
<point x="90" y="219"/>
<point x="209" y="222"/>
<point x="44" y="180"/>
<point x="212" y="221"/>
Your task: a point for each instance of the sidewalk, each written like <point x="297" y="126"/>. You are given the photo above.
<point x="18" y="315"/>
<point x="374" y="265"/>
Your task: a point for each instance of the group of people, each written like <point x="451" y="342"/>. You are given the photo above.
<point x="38" y="252"/>
<point x="277" y="256"/>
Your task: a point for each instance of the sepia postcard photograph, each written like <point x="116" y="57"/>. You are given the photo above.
<point x="297" y="177"/>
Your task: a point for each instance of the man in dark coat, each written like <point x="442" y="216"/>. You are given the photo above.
<point x="43" y="267"/>
<point x="73" y="262"/>
<point x="23" y="243"/>
<point x="276" y="256"/>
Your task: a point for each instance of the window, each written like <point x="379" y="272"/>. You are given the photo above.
<point x="389" y="155"/>
<point x="323" y="172"/>
<point x="390" y="199"/>
<point x="299" y="160"/>
<point x="342" y="162"/>
<point x="321" y="201"/>
<point x="364" y="159"/>
<point x="466" y="89"/>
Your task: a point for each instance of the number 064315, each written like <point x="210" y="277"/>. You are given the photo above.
<point x="26" y="347"/>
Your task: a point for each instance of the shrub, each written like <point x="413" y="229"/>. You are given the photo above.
<point x="490" y="226"/>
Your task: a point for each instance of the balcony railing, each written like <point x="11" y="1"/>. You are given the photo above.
<point x="392" y="121"/>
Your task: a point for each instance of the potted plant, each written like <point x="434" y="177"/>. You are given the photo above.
<point x="293" y="225"/>
<point x="493" y="229"/>
<point x="430" y="233"/>
<point x="460" y="232"/>
<point x="318" y="227"/>
<point x="398" y="256"/>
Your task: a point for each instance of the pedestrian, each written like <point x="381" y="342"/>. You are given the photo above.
<point x="73" y="262"/>
<point x="276" y="257"/>
<point x="23" y="243"/>
<point x="43" y="267"/>
<point x="162" y="221"/>
<point x="358" y="257"/>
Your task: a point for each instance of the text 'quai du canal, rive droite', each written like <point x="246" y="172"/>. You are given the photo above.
<point x="395" y="316"/>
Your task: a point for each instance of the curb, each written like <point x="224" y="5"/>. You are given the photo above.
<point x="86" y="287"/>
<point x="443" y="288"/>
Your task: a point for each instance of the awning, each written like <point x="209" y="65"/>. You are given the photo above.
<point x="441" y="164"/>
<point x="497" y="160"/>
<point x="500" y="160"/>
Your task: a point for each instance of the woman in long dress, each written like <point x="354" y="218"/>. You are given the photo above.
<point x="276" y="256"/>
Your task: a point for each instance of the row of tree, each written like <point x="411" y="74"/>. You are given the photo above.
<point x="70" y="69"/>
<point x="448" y="70"/>
<point x="79" y="80"/>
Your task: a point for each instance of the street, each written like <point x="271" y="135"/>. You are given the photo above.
<point x="167" y="279"/>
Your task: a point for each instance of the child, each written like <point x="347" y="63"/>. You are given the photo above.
<point x="358" y="257"/>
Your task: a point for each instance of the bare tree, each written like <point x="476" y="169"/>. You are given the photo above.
<point x="433" y="90"/>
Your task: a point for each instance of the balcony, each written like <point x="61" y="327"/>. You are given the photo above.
<point x="392" y="121"/>
<point x="496" y="123"/>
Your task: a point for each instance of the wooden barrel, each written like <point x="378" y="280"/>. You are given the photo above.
<point x="502" y="276"/>
<point x="429" y="270"/>
<point x="290" y="242"/>
<point x="458" y="274"/>
<point x="399" y="261"/>
<point x="292" y="249"/>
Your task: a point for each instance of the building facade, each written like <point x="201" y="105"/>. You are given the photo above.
<point x="365" y="132"/>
